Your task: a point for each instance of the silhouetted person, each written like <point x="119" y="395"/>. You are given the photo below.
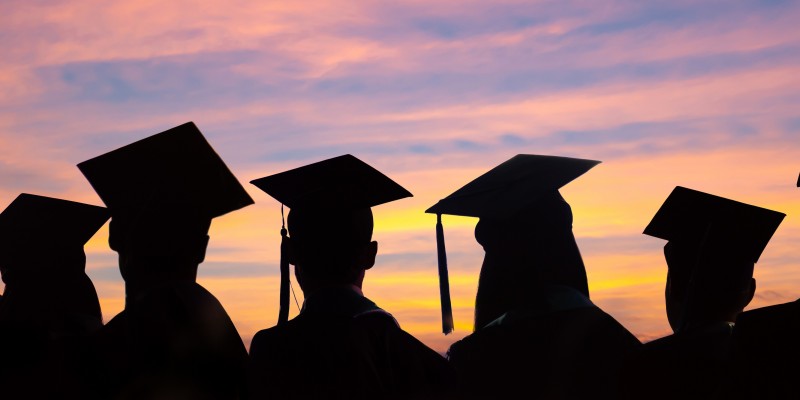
<point x="713" y="244"/>
<point x="537" y="334"/>
<point x="765" y="350"/>
<point x="50" y="307"/>
<point x="173" y="339"/>
<point x="341" y="345"/>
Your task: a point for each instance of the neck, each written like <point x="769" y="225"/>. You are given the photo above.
<point x="144" y="278"/>
<point x="314" y="289"/>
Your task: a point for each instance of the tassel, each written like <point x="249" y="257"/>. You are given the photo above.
<point x="283" y="312"/>
<point x="444" y="284"/>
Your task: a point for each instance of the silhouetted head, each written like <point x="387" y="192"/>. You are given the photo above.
<point x="159" y="244"/>
<point x="48" y="286"/>
<point x="163" y="191"/>
<point x="42" y="263"/>
<point x="64" y="305"/>
<point x="706" y="284"/>
<point x="331" y="246"/>
<point x="534" y="248"/>
<point x="330" y="222"/>
<point x="525" y="227"/>
<point x="44" y="236"/>
<point x="713" y="245"/>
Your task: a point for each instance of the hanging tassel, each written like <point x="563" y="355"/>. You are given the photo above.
<point x="283" y="312"/>
<point x="444" y="284"/>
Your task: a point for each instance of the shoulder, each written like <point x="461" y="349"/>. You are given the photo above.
<point x="614" y="327"/>
<point x="261" y="342"/>
<point x="587" y="327"/>
<point x="486" y="343"/>
<point x="590" y="325"/>
<point x="115" y="327"/>
<point x="650" y="361"/>
<point x="287" y="337"/>
<point x="117" y="320"/>
<point x="685" y="346"/>
<point x="376" y="316"/>
<point x="184" y="300"/>
<point x="266" y="336"/>
<point x="382" y="327"/>
<point x="662" y="343"/>
<point x="769" y="314"/>
<point x="768" y="330"/>
<point x="185" y="313"/>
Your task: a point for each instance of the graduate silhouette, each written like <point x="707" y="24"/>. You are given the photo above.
<point x="713" y="245"/>
<point x="537" y="334"/>
<point x="173" y="339"/>
<point x="765" y="350"/>
<point x="341" y="345"/>
<point x="50" y="307"/>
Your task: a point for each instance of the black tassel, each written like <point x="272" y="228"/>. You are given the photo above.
<point x="283" y="312"/>
<point x="444" y="283"/>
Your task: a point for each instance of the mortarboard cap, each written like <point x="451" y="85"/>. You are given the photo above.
<point x="175" y="165"/>
<point x="688" y="214"/>
<point x="512" y="186"/>
<point x="39" y="223"/>
<point x="339" y="183"/>
<point x="500" y="193"/>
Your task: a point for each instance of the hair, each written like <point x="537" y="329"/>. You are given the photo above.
<point x="533" y="248"/>
<point x="327" y="242"/>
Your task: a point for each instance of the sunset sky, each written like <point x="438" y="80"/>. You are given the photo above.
<point x="432" y="93"/>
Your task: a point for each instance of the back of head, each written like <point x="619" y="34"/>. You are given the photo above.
<point x="524" y="253"/>
<point x="64" y="303"/>
<point x="537" y="243"/>
<point x="709" y="282"/>
<point x="713" y="244"/>
<point x="43" y="263"/>
<point x="43" y="237"/>
<point x="325" y="243"/>
<point x="160" y="243"/>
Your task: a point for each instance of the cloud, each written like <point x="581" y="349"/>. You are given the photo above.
<point x="433" y="94"/>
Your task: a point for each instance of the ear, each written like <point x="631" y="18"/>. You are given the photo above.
<point x="366" y="259"/>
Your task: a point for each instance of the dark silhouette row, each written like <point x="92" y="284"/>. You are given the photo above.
<point x="536" y="333"/>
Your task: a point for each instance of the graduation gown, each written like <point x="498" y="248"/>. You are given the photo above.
<point x="567" y="348"/>
<point x="43" y="338"/>
<point x="176" y="341"/>
<point x="765" y="350"/>
<point x="687" y="365"/>
<point x="343" y="346"/>
<point x="24" y="353"/>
